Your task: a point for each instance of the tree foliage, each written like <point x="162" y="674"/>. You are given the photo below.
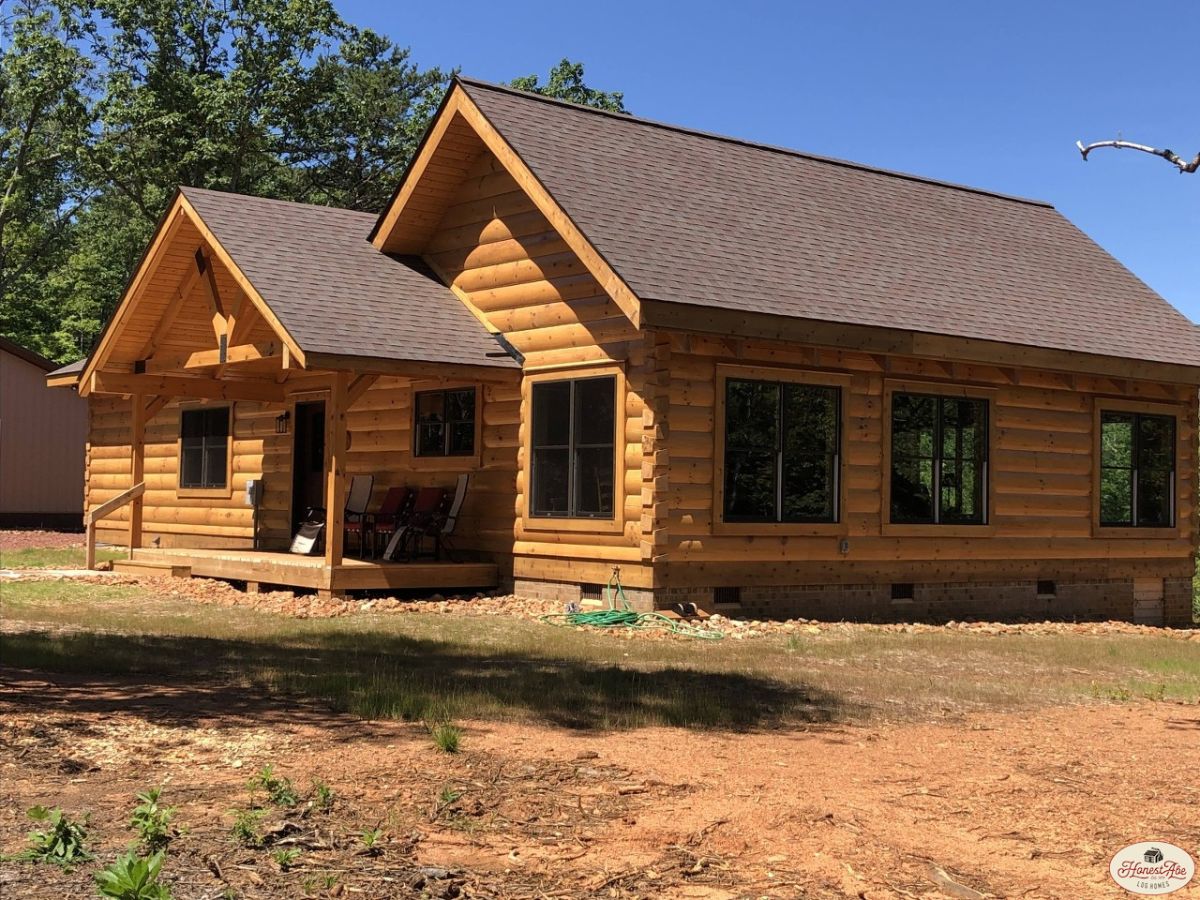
<point x="566" y="83"/>
<point x="106" y="106"/>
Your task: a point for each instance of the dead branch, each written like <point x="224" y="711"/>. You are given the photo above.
<point x="1169" y="155"/>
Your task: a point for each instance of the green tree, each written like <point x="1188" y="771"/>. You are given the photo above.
<point x="566" y="83"/>
<point x="45" y="117"/>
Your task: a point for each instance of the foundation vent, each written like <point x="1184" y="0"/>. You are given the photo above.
<point x="727" y="596"/>
<point x="902" y="590"/>
<point x="1047" y="589"/>
<point x="593" y="592"/>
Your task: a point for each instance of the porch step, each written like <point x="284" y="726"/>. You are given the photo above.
<point x="152" y="567"/>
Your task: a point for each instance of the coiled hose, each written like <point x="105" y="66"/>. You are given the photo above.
<point x="623" y="616"/>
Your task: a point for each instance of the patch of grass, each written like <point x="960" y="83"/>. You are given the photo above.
<point x="54" y="557"/>
<point x="285" y="857"/>
<point x="434" y="668"/>
<point x="446" y="737"/>
<point x="370" y="841"/>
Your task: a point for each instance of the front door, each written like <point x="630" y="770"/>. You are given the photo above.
<point x="308" y="460"/>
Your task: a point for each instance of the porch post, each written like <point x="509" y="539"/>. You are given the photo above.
<point x="137" y="468"/>
<point x="335" y="471"/>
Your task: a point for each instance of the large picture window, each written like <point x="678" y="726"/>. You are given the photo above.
<point x="445" y="422"/>
<point x="939" y="460"/>
<point x="781" y="451"/>
<point x="1137" y="470"/>
<point x="573" y="460"/>
<point x="204" y="448"/>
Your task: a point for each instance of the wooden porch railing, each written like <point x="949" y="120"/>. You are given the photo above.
<point x="107" y="509"/>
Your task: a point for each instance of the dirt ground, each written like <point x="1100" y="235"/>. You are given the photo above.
<point x="14" y="539"/>
<point x="1001" y="805"/>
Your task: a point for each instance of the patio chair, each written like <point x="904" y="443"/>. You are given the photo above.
<point x="425" y="507"/>
<point x="355" y="515"/>
<point x="393" y="514"/>
<point x="440" y="527"/>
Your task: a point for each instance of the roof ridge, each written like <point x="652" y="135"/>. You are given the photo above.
<point x="754" y="145"/>
<point x="185" y="188"/>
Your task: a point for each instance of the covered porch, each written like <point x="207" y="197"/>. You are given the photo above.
<point x="222" y="407"/>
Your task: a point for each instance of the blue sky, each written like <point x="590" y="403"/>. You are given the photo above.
<point x="987" y="94"/>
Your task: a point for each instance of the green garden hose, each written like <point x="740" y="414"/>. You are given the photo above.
<point x="624" y="617"/>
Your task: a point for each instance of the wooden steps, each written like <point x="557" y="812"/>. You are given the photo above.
<point x="156" y="567"/>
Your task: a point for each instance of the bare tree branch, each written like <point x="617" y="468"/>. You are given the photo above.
<point x="1169" y="155"/>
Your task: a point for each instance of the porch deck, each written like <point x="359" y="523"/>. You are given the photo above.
<point x="275" y="567"/>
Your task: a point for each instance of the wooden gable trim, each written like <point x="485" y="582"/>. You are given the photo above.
<point x="178" y="212"/>
<point x="459" y="103"/>
<point x="252" y="294"/>
<point x="167" y="229"/>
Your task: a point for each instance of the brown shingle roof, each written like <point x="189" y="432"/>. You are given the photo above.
<point x="688" y="217"/>
<point x="335" y="293"/>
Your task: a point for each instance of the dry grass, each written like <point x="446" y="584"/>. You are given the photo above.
<point x="54" y="557"/>
<point x="440" y="667"/>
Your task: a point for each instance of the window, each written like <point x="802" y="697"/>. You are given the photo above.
<point x="204" y="448"/>
<point x="445" y="423"/>
<point x="781" y="451"/>
<point x="573" y="448"/>
<point x="1137" y="470"/>
<point x="939" y="460"/>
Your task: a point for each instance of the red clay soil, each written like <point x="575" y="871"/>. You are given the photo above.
<point x="1003" y="805"/>
<point x="41" y="540"/>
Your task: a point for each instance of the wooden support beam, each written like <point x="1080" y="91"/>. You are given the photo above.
<point x="206" y="359"/>
<point x="155" y="405"/>
<point x="184" y="387"/>
<point x="186" y="285"/>
<point x="358" y="387"/>
<point x="335" y="468"/>
<point x="137" y="469"/>
<point x="220" y="319"/>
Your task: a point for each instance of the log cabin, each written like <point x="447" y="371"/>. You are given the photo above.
<point x="742" y="376"/>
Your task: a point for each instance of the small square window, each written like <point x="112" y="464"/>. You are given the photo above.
<point x="444" y="423"/>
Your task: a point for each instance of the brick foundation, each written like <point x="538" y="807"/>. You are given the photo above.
<point x="1148" y="601"/>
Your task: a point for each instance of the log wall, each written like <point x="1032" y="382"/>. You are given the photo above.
<point x="504" y="259"/>
<point x="1042" y="520"/>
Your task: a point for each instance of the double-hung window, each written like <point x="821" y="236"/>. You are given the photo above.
<point x="445" y="422"/>
<point x="204" y="448"/>
<point x="1137" y="470"/>
<point x="573" y="448"/>
<point x="939" y="465"/>
<point x="781" y="451"/>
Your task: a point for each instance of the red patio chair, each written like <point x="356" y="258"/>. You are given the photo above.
<point x="425" y="508"/>
<point x="393" y="514"/>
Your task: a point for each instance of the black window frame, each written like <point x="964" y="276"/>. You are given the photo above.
<point x="1136" y="469"/>
<point x="208" y="440"/>
<point x="834" y="464"/>
<point x="938" y="460"/>
<point x="572" y="448"/>
<point x="446" y="451"/>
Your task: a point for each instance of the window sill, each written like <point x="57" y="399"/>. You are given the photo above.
<point x="444" y="463"/>
<point x="938" y="531"/>
<point x="1137" y="534"/>
<point x="223" y="493"/>
<point x="545" y="523"/>
<point x="780" y="529"/>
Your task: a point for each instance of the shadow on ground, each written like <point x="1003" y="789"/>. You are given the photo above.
<point x="392" y="677"/>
